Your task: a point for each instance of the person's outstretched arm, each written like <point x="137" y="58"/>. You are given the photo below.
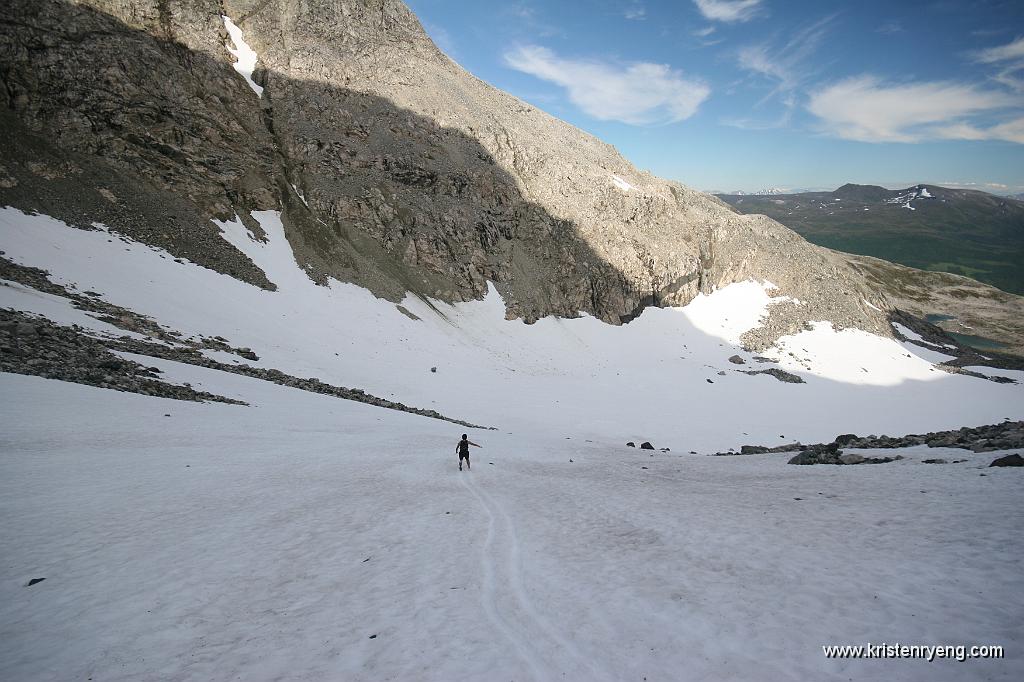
<point x="474" y="444"/>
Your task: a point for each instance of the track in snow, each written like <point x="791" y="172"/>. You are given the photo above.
<point x="518" y="620"/>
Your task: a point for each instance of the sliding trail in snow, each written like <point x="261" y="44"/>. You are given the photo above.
<point x="508" y="605"/>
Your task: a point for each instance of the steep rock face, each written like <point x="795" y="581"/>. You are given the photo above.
<point x="127" y="113"/>
<point x="394" y="167"/>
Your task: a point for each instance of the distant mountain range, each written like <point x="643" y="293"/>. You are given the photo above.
<point x="961" y="231"/>
<point x="771" y="191"/>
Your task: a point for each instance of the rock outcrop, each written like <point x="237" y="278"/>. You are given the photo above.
<point x="393" y="167"/>
<point x="1005" y="436"/>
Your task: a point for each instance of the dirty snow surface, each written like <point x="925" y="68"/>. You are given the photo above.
<point x="308" y="537"/>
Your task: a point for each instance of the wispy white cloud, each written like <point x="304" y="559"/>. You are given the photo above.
<point x="760" y="60"/>
<point x="867" y="109"/>
<point x="639" y="93"/>
<point x="728" y="10"/>
<point x="786" y="66"/>
<point x="782" y="121"/>
<point x="992" y="187"/>
<point x="1011" y="130"/>
<point x="527" y="16"/>
<point x="786" y="62"/>
<point x="988" y="32"/>
<point x="891" y="27"/>
<point x="1009" y="59"/>
<point x="705" y="37"/>
<point x="1001" y="53"/>
<point x="635" y="11"/>
<point x="522" y="11"/>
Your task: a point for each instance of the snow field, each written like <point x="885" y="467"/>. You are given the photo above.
<point x="273" y="541"/>
<point x="306" y="537"/>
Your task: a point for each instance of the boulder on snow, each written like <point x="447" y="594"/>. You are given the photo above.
<point x="845" y="439"/>
<point x="851" y="458"/>
<point x="934" y="461"/>
<point x="818" y="454"/>
<point x="630" y="444"/>
<point x="1008" y="461"/>
<point x="646" y="446"/>
<point x="737" y="360"/>
<point x="753" y="450"/>
<point x="805" y="457"/>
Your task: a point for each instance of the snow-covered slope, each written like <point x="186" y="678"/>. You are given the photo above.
<point x="318" y="539"/>
<point x="306" y="537"/>
<point x="657" y="378"/>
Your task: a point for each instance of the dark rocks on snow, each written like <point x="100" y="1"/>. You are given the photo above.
<point x="646" y="446"/>
<point x="826" y="456"/>
<point x="780" y="374"/>
<point x="737" y="360"/>
<point x="37" y="347"/>
<point x="312" y="384"/>
<point x="630" y="444"/>
<point x="1005" y="436"/>
<point x="34" y="581"/>
<point x="937" y="460"/>
<point x="1014" y="460"/>
<point x="805" y="457"/>
<point x="757" y="449"/>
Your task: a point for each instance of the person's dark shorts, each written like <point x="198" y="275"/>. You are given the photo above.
<point x="463" y="455"/>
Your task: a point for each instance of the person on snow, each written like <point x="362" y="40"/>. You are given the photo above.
<point x="463" y="449"/>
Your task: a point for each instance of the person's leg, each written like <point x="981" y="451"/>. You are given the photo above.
<point x="467" y="461"/>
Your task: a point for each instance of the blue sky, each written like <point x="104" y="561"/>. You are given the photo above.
<point x="750" y="94"/>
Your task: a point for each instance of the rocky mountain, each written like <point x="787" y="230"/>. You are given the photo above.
<point x="928" y="227"/>
<point x="393" y="167"/>
<point x="218" y="461"/>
